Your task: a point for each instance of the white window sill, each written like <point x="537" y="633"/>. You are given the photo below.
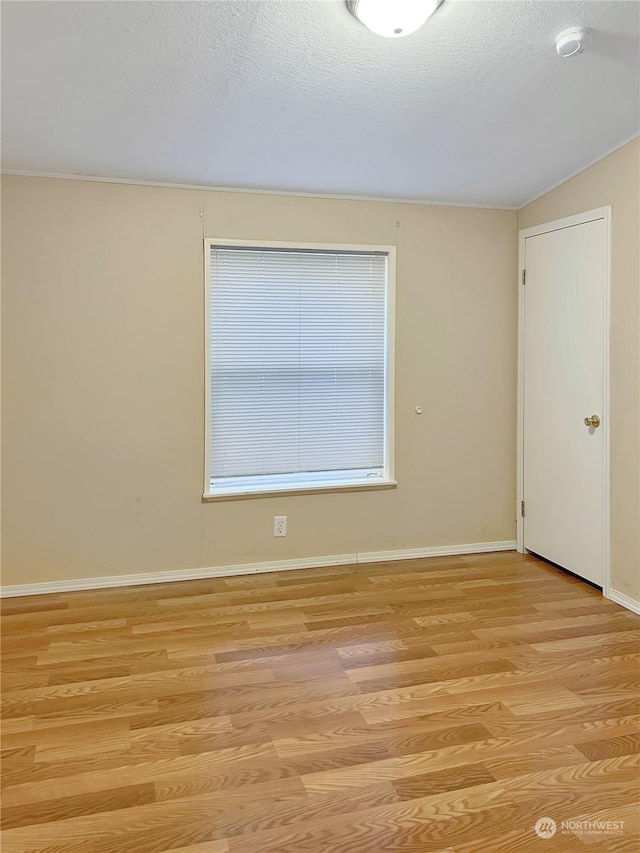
<point x="238" y="494"/>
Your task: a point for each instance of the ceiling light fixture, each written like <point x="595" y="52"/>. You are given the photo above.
<point x="393" y="18"/>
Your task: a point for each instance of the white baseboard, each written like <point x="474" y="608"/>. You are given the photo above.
<point x="444" y="551"/>
<point x="250" y="568"/>
<point x="624" y="600"/>
<point x="172" y="576"/>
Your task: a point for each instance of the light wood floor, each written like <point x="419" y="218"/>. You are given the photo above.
<point x="432" y="705"/>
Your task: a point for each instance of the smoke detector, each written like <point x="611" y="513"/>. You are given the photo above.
<point x="572" y="41"/>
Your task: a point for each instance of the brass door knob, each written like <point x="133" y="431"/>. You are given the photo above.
<point x="593" y="421"/>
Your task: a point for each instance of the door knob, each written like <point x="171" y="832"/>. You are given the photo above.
<point x="593" y="421"/>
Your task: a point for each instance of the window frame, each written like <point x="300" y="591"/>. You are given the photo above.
<point x="388" y="480"/>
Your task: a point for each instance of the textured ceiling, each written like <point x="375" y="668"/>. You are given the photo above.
<point x="476" y="107"/>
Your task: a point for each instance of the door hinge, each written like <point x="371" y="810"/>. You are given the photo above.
<point x="524" y="277"/>
<point x="522" y="508"/>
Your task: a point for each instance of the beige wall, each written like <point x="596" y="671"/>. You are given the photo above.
<point x="615" y="181"/>
<point x="103" y="380"/>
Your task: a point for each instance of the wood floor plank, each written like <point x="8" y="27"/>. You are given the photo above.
<point x="433" y="706"/>
<point x="81" y="804"/>
<point x="627" y="744"/>
<point x="443" y="781"/>
<point x="220" y="846"/>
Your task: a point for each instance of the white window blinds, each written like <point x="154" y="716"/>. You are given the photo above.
<point x="297" y="368"/>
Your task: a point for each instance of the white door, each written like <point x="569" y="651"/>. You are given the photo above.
<point x="564" y="361"/>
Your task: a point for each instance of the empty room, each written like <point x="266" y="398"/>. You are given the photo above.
<point x="320" y="426"/>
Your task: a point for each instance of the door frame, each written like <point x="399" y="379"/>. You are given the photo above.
<point x="603" y="213"/>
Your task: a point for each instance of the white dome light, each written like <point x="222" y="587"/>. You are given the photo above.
<point x="393" y="18"/>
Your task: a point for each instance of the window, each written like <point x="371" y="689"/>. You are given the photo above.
<point x="298" y="368"/>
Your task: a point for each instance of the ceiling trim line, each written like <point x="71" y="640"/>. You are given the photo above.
<point x="248" y="191"/>
<point x="559" y="183"/>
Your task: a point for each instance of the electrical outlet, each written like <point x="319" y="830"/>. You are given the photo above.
<point x="280" y="525"/>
